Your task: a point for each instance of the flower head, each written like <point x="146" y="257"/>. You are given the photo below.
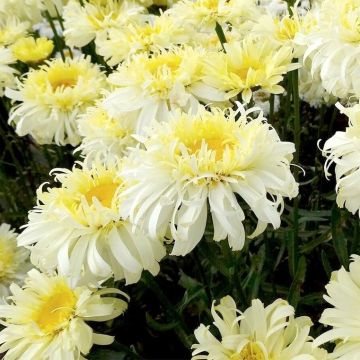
<point x="31" y="50"/>
<point x="85" y="235"/>
<point x="259" y="333"/>
<point x="46" y="318"/>
<point x="343" y="294"/>
<point x="247" y="65"/>
<point x="204" y="14"/>
<point x="152" y="86"/>
<point x="7" y="72"/>
<point x="145" y="37"/>
<point x="84" y="23"/>
<point x="208" y="157"/>
<point x="14" y="261"/>
<point x="343" y="149"/>
<point x="12" y="29"/>
<point x="51" y="98"/>
<point x="105" y="137"/>
<point x="334" y="47"/>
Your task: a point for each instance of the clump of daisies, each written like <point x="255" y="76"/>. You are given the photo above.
<point x="205" y="160"/>
<point x="86" y="237"/>
<point x="14" y="261"/>
<point x="343" y="294"/>
<point x="343" y="150"/>
<point x="47" y="318"/>
<point x="258" y="333"/>
<point x="51" y="98"/>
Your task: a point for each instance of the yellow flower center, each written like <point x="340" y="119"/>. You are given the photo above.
<point x="104" y="193"/>
<point x="56" y="309"/>
<point x="215" y="134"/>
<point x="6" y="257"/>
<point x="286" y="29"/>
<point x="60" y="78"/>
<point x="251" y="351"/>
<point x="163" y="69"/>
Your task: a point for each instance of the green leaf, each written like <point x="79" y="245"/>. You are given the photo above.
<point x="156" y="325"/>
<point x="338" y="237"/>
<point x="299" y="278"/>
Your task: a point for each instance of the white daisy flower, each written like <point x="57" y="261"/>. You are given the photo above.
<point x="12" y="29"/>
<point x="46" y="319"/>
<point x="7" y="73"/>
<point x="343" y="294"/>
<point x="202" y="15"/>
<point x="14" y="261"/>
<point x="334" y="47"/>
<point x="78" y="230"/>
<point x="207" y="159"/>
<point x="343" y="149"/>
<point x="84" y="23"/>
<point x="104" y="137"/>
<point x="152" y="86"/>
<point x="259" y="333"/>
<point x="52" y="97"/>
<point x="143" y="37"/>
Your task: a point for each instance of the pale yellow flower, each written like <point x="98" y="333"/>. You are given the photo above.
<point x="203" y="160"/>
<point x="53" y="96"/>
<point x="84" y="23"/>
<point x="86" y="237"/>
<point x="258" y="333"/>
<point x="14" y="261"/>
<point x="30" y="50"/>
<point x="46" y="318"/>
<point x="247" y="65"/>
<point x="343" y="294"/>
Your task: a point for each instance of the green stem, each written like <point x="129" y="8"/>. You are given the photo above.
<point x="220" y="33"/>
<point x="181" y="328"/>
<point x="297" y="141"/>
<point x="56" y="35"/>
<point x="271" y="112"/>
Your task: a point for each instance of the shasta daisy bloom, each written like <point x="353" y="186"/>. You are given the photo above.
<point x="246" y="65"/>
<point x="310" y="86"/>
<point x="203" y="14"/>
<point x="7" y="73"/>
<point x="204" y="160"/>
<point x="334" y="47"/>
<point x="77" y="229"/>
<point x="343" y="149"/>
<point x="343" y="294"/>
<point x="24" y="10"/>
<point x="84" y="23"/>
<point x="11" y="29"/>
<point x="152" y="86"/>
<point x="14" y="261"/>
<point x="157" y="32"/>
<point x="105" y="137"/>
<point x="258" y="333"/>
<point x="46" y="318"/>
<point x="52" y="97"/>
<point x="30" y="50"/>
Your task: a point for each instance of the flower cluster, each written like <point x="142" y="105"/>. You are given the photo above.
<point x="165" y="103"/>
